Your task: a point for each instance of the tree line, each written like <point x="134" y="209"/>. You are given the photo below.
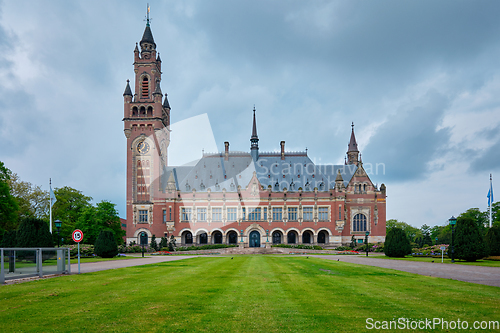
<point x="474" y="239"/>
<point x="24" y="204"/>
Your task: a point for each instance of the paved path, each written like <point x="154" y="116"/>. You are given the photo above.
<point x="112" y="264"/>
<point x="476" y="274"/>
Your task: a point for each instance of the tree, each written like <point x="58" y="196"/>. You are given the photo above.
<point x="34" y="232"/>
<point x="94" y="219"/>
<point x="396" y="243"/>
<point x="105" y="245"/>
<point x="153" y="243"/>
<point x="492" y="240"/>
<point x="9" y="239"/>
<point x="163" y="242"/>
<point x="353" y="242"/>
<point x="171" y="244"/>
<point x="481" y="218"/>
<point x="31" y="199"/>
<point x="411" y="232"/>
<point x="8" y="204"/>
<point x="424" y="237"/>
<point x="69" y="206"/>
<point x="469" y="244"/>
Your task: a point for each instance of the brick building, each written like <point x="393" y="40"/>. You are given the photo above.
<point x="255" y="198"/>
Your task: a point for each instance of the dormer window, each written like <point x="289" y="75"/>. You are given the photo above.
<point x="145" y="87"/>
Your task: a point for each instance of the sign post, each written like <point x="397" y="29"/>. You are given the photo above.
<point x="77" y="237"/>
<point x="442" y="252"/>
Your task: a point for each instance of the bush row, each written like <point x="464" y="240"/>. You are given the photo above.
<point x="202" y="247"/>
<point x="299" y="246"/>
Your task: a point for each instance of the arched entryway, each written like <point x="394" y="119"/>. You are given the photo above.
<point x="187" y="237"/>
<point x="143" y="238"/>
<point x="322" y="237"/>
<point x="232" y="237"/>
<point x="203" y="238"/>
<point x="254" y="239"/>
<point x="292" y="237"/>
<point x="307" y="237"/>
<point x="277" y="236"/>
<point x="217" y="237"/>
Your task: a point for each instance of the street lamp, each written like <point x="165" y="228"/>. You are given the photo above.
<point x="58" y="226"/>
<point x="143" y="241"/>
<point x="241" y="235"/>
<point x="453" y="221"/>
<point x="366" y="242"/>
<point x="267" y="235"/>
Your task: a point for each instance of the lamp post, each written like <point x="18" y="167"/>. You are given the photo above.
<point x="267" y="235"/>
<point x="143" y="238"/>
<point x="366" y="242"/>
<point x="453" y="221"/>
<point x="241" y="235"/>
<point x="58" y="226"/>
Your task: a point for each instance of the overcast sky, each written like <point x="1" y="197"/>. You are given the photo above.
<point x="419" y="79"/>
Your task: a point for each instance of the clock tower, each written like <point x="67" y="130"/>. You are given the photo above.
<point x="146" y="126"/>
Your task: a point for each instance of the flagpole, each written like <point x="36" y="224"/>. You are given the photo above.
<point x="491" y="196"/>
<point x="50" y="204"/>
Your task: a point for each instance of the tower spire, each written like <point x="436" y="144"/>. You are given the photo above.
<point x="352" y="148"/>
<point x="147" y="17"/>
<point x="254" y="139"/>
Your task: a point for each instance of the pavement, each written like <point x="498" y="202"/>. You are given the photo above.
<point x="468" y="273"/>
<point x="113" y="264"/>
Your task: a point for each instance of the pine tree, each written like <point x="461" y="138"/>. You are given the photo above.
<point x="154" y="244"/>
<point x="469" y="243"/>
<point x="33" y="232"/>
<point x="492" y="240"/>
<point x="396" y="243"/>
<point x="163" y="242"/>
<point x="105" y="245"/>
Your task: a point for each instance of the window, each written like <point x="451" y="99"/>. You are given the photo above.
<point x="231" y="214"/>
<point x="323" y="213"/>
<point x="143" y="180"/>
<point x="308" y="213"/>
<point x="292" y="213"/>
<point x="186" y="214"/>
<point x="254" y="214"/>
<point x="170" y="213"/>
<point x="359" y="222"/>
<point x="145" y="87"/>
<point x="243" y="214"/>
<point x="143" y="216"/>
<point x="164" y="216"/>
<point x="277" y="214"/>
<point x="265" y="214"/>
<point x="217" y="214"/>
<point x="202" y="214"/>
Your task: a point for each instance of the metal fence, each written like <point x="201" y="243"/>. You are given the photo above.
<point x="17" y="263"/>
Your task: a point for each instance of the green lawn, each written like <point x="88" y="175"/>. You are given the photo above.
<point x="244" y="294"/>
<point x="489" y="263"/>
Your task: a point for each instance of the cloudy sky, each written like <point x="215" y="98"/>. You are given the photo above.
<point x="420" y="80"/>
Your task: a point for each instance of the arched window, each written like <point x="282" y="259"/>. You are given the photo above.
<point x="277" y="237"/>
<point x="232" y="237"/>
<point x="306" y="237"/>
<point x="142" y="111"/>
<point x="150" y="111"/>
<point x="359" y="222"/>
<point x="203" y="238"/>
<point x="217" y="237"/>
<point x="291" y="237"/>
<point x="322" y="236"/>
<point x="134" y="111"/>
<point x="145" y="87"/>
<point x="188" y="237"/>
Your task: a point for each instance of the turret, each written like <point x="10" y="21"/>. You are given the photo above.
<point x="254" y="140"/>
<point x="352" y="149"/>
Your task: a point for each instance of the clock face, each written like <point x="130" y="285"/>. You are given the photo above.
<point x="143" y="147"/>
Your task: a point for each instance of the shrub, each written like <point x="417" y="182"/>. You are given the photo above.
<point x="204" y="247"/>
<point x="171" y="244"/>
<point x="153" y="243"/>
<point x="492" y="239"/>
<point x="163" y="242"/>
<point x="33" y="232"/>
<point x="86" y="250"/>
<point x="9" y="239"/>
<point x="469" y="244"/>
<point x="105" y="244"/>
<point x="343" y="248"/>
<point x="299" y="246"/>
<point x="396" y="243"/>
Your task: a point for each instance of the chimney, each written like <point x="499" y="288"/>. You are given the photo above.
<point x="282" y="143"/>
<point x="226" y="151"/>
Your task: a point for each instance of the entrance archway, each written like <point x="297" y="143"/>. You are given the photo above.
<point x="291" y="237"/>
<point x="232" y="237"/>
<point x="322" y="236"/>
<point x="277" y="237"/>
<point x="144" y="238"/>
<point x="254" y="239"/>
<point x="307" y="237"/>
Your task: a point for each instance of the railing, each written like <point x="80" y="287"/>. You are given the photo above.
<point x="17" y="263"/>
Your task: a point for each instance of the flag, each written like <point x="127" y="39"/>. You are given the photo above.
<point x="52" y="197"/>
<point x="490" y="195"/>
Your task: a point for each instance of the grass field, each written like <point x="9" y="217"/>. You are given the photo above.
<point x="244" y="294"/>
<point x="487" y="263"/>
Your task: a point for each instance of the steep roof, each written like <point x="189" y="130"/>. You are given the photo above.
<point x="128" y="91"/>
<point x="147" y="37"/>
<point x="353" y="146"/>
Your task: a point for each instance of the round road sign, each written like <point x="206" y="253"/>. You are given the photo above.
<point x="77" y="235"/>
